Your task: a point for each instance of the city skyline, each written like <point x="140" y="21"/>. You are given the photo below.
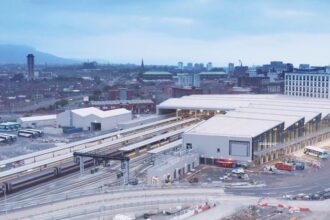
<point x="166" y="32"/>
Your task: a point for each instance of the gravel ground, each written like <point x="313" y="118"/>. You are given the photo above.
<point x="271" y="213"/>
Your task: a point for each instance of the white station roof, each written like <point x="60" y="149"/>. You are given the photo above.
<point x="97" y="112"/>
<point x="166" y="147"/>
<point x="307" y="106"/>
<point x="223" y="125"/>
<point x="201" y="104"/>
<point x="92" y="148"/>
<point x="81" y="142"/>
<point x="151" y="140"/>
<point x="288" y="120"/>
<point x="267" y="110"/>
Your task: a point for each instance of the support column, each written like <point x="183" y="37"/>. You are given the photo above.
<point x="81" y="165"/>
<point x="125" y="170"/>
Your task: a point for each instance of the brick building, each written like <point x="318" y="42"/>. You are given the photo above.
<point x="137" y="106"/>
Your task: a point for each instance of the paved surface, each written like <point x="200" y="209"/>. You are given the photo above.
<point x="140" y="201"/>
<point x="126" y="199"/>
<point x="272" y="187"/>
<point x="309" y="180"/>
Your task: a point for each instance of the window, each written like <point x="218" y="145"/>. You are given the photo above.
<point x="188" y="146"/>
<point x="218" y="150"/>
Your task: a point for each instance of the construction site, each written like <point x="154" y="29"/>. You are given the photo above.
<point x="203" y="152"/>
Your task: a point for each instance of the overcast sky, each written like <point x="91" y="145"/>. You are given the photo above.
<point x="168" y="31"/>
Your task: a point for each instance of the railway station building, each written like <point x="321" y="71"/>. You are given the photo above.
<point x="253" y="128"/>
<point x="236" y="138"/>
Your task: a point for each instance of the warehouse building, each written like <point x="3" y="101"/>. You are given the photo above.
<point x="93" y="119"/>
<point x="254" y="128"/>
<point x="226" y="137"/>
<point x="37" y="121"/>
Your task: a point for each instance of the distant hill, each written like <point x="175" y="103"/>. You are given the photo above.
<point x="16" y="54"/>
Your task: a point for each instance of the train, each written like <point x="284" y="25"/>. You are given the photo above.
<point x="23" y="182"/>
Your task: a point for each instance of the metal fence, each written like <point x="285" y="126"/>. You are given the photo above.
<point x="108" y="210"/>
<point x="60" y="197"/>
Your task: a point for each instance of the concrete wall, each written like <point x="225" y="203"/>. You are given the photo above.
<point x="207" y="146"/>
<point x="175" y="167"/>
<point x="52" y="130"/>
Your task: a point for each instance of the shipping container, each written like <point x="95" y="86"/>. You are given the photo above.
<point x="71" y="130"/>
<point x="284" y="166"/>
<point x="226" y="163"/>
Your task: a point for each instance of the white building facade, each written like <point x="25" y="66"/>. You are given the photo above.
<point x="93" y="118"/>
<point x="315" y="85"/>
<point x="37" y="121"/>
<point x="188" y="80"/>
<point x="226" y="137"/>
<point x="209" y="66"/>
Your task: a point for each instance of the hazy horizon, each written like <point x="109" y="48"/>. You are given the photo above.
<point x="166" y="32"/>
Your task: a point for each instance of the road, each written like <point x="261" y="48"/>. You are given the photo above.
<point x="310" y="180"/>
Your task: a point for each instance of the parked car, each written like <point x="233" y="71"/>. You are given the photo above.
<point x="326" y="195"/>
<point x="133" y="181"/>
<point x="238" y="171"/>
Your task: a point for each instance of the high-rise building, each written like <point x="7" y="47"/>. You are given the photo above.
<point x="30" y="65"/>
<point x="304" y="66"/>
<point x="189" y="66"/>
<point x="196" y="66"/>
<point x="307" y="84"/>
<point x="188" y="80"/>
<point x="184" y="79"/>
<point x="196" y="80"/>
<point x="209" y="66"/>
<point x="180" y="65"/>
<point x="231" y="68"/>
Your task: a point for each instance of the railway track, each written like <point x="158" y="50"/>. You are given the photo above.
<point x="35" y="201"/>
<point x="113" y="145"/>
<point x="72" y="183"/>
